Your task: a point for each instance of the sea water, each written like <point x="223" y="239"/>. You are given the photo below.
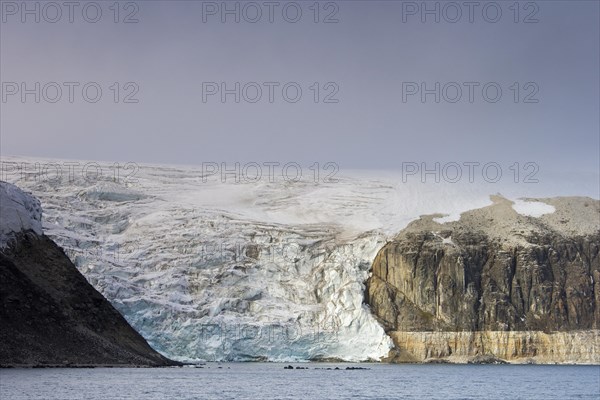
<point x="317" y="381"/>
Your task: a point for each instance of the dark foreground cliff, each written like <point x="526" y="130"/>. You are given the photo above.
<point x="495" y="284"/>
<point x="49" y="314"/>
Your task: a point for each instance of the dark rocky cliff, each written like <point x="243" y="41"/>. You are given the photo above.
<point x="49" y="314"/>
<point x="493" y="271"/>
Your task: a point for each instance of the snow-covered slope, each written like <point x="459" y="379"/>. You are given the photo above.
<point x="207" y="270"/>
<point x="19" y="212"/>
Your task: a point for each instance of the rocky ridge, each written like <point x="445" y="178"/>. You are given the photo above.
<point x="495" y="283"/>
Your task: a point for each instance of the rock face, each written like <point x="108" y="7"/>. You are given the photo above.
<point x="582" y="347"/>
<point x="494" y="283"/>
<point x="49" y="314"/>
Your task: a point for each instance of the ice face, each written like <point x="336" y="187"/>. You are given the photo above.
<point x="19" y="212"/>
<point x="207" y="270"/>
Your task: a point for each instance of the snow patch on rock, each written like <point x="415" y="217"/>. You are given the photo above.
<point x="448" y="218"/>
<point x="532" y="208"/>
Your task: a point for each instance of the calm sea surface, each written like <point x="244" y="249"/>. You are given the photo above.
<point x="271" y="381"/>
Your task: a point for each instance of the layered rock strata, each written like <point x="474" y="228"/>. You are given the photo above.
<point x="495" y="283"/>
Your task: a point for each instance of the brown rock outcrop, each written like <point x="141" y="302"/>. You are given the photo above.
<point x="494" y="283"/>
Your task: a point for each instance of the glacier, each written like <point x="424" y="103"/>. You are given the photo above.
<point x="213" y="271"/>
<point x="20" y="212"/>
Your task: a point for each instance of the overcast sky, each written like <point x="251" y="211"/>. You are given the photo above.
<point x="372" y="61"/>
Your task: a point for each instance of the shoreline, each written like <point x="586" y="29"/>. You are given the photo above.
<point x="284" y="363"/>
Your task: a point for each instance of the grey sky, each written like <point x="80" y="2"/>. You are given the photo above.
<point x="368" y="55"/>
